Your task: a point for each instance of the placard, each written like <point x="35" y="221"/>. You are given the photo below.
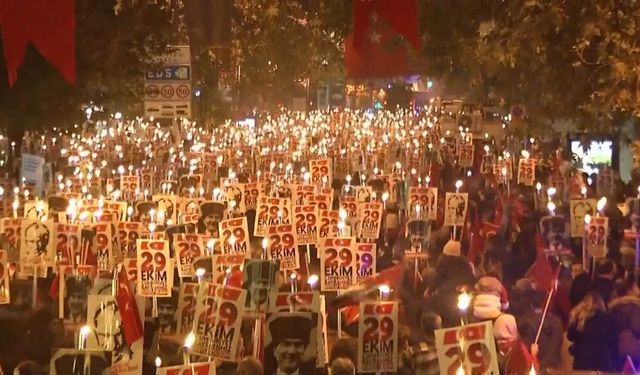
<point x="252" y="191"/>
<point x="166" y="208"/>
<point x="187" y="248"/>
<point x="455" y="209"/>
<point x="206" y="368"/>
<point x="378" y="337"/>
<point x="186" y="307"/>
<point x="320" y="168"/>
<point x="284" y="247"/>
<point x="73" y="289"/>
<point x="370" y="220"/>
<point x="235" y="236"/>
<point x="104" y="246"/>
<point x="423" y="203"/>
<point x="224" y="265"/>
<point x="129" y="187"/>
<point x="270" y="212"/>
<point x="350" y="205"/>
<point x="323" y="201"/>
<point x="219" y="313"/>
<point x="527" y="171"/>
<point x="129" y="233"/>
<point x="67" y="242"/>
<point x="306" y="221"/>
<point x="303" y="194"/>
<point x="5" y="295"/>
<point x="36" y="246"/>
<point x="259" y="280"/>
<point x="366" y="255"/>
<point x="11" y="229"/>
<point x="465" y="155"/>
<point x="283" y="329"/>
<point x="597" y="237"/>
<point x="337" y="263"/>
<point x="155" y="269"/>
<point x="471" y="347"/>
<point x="328" y="223"/>
<point x="605" y="182"/>
<point x="579" y="208"/>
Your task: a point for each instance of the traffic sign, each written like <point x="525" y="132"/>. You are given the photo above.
<point x="170" y="73"/>
<point x="167" y="91"/>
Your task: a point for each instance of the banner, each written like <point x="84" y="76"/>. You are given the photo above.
<point x="337" y="263"/>
<point x="378" y="337"/>
<point x="186" y="307"/>
<point x="579" y="208"/>
<point x="284" y="247"/>
<point x="219" y="313"/>
<point x="470" y="347"/>
<point x="365" y="261"/>
<point x="155" y="269"/>
<point x="235" y="236"/>
<point x="427" y="200"/>
<point x="370" y="220"/>
<point x="5" y="295"/>
<point x="187" y="248"/>
<point x="455" y="209"/>
<point x="597" y="236"/>
<point x="306" y="218"/>
<point x="527" y="172"/>
<point x="207" y="368"/>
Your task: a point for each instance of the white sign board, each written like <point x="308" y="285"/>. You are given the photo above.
<point x="167" y="91"/>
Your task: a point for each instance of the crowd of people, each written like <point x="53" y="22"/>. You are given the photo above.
<point x="537" y="285"/>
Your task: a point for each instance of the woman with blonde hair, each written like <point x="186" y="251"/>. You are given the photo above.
<point x="593" y="334"/>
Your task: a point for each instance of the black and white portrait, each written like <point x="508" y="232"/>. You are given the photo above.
<point x="72" y="362"/>
<point x="455" y="208"/>
<point x="143" y="212"/>
<point x="211" y="213"/>
<point x="76" y="290"/>
<point x="167" y="309"/>
<point x="291" y="344"/>
<point x="259" y="281"/>
<point x="34" y="243"/>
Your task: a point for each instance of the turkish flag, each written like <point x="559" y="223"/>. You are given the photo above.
<point x="400" y="15"/>
<point x="128" y="308"/>
<point x="49" y="25"/>
<point x="541" y="273"/>
<point x="376" y="57"/>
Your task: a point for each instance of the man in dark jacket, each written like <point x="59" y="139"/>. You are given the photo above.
<point x="550" y="342"/>
<point x="625" y="309"/>
<point x="603" y="283"/>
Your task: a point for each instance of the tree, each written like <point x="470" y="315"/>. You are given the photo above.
<point x="115" y="46"/>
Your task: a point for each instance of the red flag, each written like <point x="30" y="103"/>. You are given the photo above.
<point x="128" y="308"/>
<point x="377" y="57"/>
<point x="49" y="25"/>
<point x="352" y="296"/>
<point x="540" y="272"/>
<point x="400" y="15"/>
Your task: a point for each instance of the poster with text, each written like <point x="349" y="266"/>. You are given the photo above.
<point x="337" y="263"/>
<point x="155" y="268"/>
<point x="283" y="247"/>
<point x="527" y="171"/>
<point x="219" y="313"/>
<point x="306" y="221"/>
<point x="225" y="266"/>
<point x="328" y="223"/>
<point x="465" y="155"/>
<point x="321" y="171"/>
<point x="129" y="233"/>
<point x="423" y="203"/>
<point x="470" y="347"/>
<point x="129" y="188"/>
<point x="104" y="246"/>
<point x="11" y="229"/>
<point x="370" y="220"/>
<point x="67" y="242"/>
<point x="270" y="212"/>
<point x="186" y="307"/>
<point x="234" y="236"/>
<point x="378" y="337"/>
<point x="597" y="236"/>
<point x="365" y="260"/>
<point x="187" y="248"/>
<point x="303" y="194"/>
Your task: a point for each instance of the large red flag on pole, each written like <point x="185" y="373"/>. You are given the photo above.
<point x="128" y="308"/>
